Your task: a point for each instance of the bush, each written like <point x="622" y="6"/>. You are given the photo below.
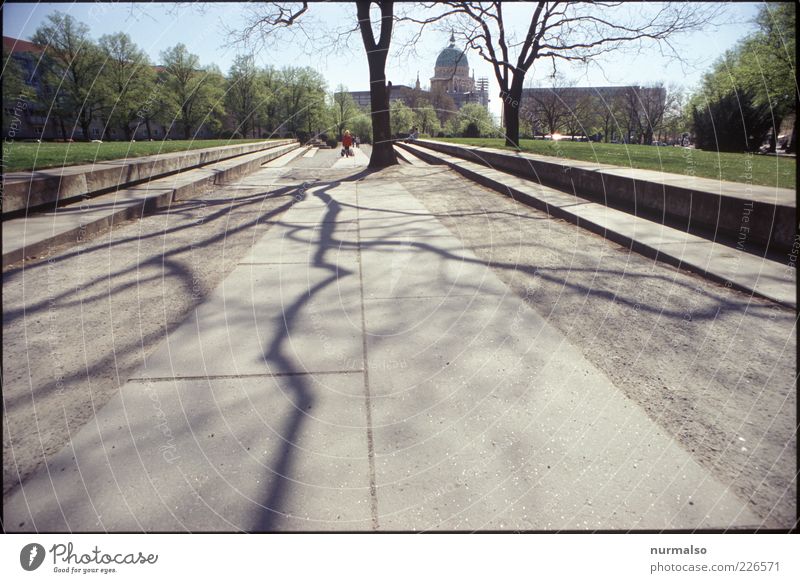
<point x="732" y="123"/>
<point x="472" y="130"/>
<point x="440" y="135"/>
<point x="302" y="136"/>
<point x="229" y="135"/>
<point x="424" y="136"/>
<point x="332" y="142"/>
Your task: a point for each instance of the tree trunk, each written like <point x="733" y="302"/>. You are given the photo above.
<point x="511" y="104"/>
<point x="382" y="150"/>
<point x="149" y="133"/>
<point x="127" y="129"/>
<point x="86" y="126"/>
<point x="790" y="148"/>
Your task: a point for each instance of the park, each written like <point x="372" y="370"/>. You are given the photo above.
<point x="572" y="310"/>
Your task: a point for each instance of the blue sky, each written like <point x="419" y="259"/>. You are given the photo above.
<point x="155" y="27"/>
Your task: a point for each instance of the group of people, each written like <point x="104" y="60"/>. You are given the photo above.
<point x="348" y="141"/>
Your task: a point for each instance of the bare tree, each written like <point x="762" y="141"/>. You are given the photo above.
<point x="653" y="105"/>
<point x="269" y="19"/>
<point x="608" y="111"/>
<point x="580" y="113"/>
<point x="569" y="31"/>
<point x="547" y="106"/>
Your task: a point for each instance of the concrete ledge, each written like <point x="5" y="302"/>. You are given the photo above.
<point x="38" y="234"/>
<point x="764" y="217"/>
<point x="50" y="187"/>
<point x="735" y="269"/>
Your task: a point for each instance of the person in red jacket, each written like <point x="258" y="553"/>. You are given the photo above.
<point x="347" y="142"/>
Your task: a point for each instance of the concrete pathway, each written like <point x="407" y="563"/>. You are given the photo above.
<point x="360" y="369"/>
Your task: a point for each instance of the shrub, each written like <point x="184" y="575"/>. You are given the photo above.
<point x="332" y="142"/>
<point x="472" y="131"/>
<point x="731" y="123"/>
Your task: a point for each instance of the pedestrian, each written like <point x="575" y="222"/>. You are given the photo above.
<point x="357" y="142"/>
<point x="347" y="142"/>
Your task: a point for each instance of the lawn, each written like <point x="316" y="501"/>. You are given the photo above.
<point x="764" y="170"/>
<point x="33" y="156"/>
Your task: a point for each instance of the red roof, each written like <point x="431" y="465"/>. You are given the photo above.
<point x="15" y="45"/>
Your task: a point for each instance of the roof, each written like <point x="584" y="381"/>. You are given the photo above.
<point x="15" y="45"/>
<point x="451" y="56"/>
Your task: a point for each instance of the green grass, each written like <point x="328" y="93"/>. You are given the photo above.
<point x="32" y="156"/>
<point x="763" y="170"/>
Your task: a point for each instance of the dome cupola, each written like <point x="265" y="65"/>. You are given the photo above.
<point x="451" y="57"/>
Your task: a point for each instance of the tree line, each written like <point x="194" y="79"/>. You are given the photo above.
<point x="113" y="81"/>
<point x="752" y="89"/>
<point x="634" y="114"/>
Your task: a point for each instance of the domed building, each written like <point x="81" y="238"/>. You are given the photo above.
<point x="451" y="75"/>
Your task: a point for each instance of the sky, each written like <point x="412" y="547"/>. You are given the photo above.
<point x="205" y="30"/>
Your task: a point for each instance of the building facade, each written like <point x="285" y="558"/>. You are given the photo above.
<point x="451" y="75"/>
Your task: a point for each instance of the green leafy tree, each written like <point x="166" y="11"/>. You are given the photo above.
<point x="268" y="107"/>
<point x="732" y="122"/>
<point x="244" y="94"/>
<point x="127" y="81"/>
<point x="475" y="113"/>
<point x="72" y="66"/>
<point x="361" y="126"/>
<point x="767" y="63"/>
<point x="302" y="98"/>
<point x="14" y="82"/>
<point x="193" y="94"/>
<point x="757" y="75"/>
<point x="343" y="109"/>
<point x="425" y="118"/>
<point x="401" y="116"/>
<point x="17" y="94"/>
<point x="452" y="127"/>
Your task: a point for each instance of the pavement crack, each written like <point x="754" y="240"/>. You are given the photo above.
<point x="367" y="397"/>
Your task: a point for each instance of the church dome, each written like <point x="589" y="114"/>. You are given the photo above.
<point x="451" y="57"/>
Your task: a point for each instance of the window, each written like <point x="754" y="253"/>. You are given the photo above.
<point x="156" y="132"/>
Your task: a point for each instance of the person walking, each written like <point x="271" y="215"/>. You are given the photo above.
<point x="347" y="142"/>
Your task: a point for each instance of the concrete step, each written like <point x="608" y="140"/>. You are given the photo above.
<point x="408" y="157"/>
<point x="733" y="268"/>
<point x="36" y="235"/>
<point x="699" y="205"/>
<point x="54" y="186"/>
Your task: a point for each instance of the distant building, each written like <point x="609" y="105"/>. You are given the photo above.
<point x="450" y="76"/>
<point x="397" y="93"/>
